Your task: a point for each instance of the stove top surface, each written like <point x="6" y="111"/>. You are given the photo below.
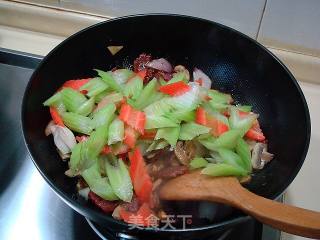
<point x="29" y="209"/>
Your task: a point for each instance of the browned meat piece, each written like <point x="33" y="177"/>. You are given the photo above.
<point x="185" y="151"/>
<point x="140" y="62"/>
<point x="132" y="206"/>
<point x="104" y="205"/>
<point x="172" y="171"/>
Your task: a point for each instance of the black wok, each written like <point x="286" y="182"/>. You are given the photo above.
<point x="236" y="63"/>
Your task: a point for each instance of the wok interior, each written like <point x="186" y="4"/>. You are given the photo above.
<point x="236" y="64"/>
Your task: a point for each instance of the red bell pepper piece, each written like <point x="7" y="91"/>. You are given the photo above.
<point x="141" y="180"/>
<point x="106" y="150"/>
<point x="201" y="117"/>
<point x="76" y="84"/>
<point x="132" y="117"/>
<point x="141" y="217"/>
<point x="142" y="73"/>
<point x="175" y="89"/>
<point x="255" y="132"/>
<point x="217" y="127"/>
<point x="149" y="134"/>
<point x="56" y="117"/>
<point x="130" y="136"/>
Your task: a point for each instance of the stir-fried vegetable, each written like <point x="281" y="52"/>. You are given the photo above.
<point x="128" y="131"/>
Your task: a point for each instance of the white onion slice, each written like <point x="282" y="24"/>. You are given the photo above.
<point x="198" y="74"/>
<point x="84" y="192"/>
<point x="160" y="64"/>
<point x="49" y="128"/>
<point x="63" y="139"/>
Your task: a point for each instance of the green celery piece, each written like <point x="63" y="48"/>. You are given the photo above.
<point x="159" y="122"/>
<point x="72" y="99"/>
<point x="180" y="115"/>
<point x="98" y="184"/>
<point x="121" y="76"/>
<point x="77" y="122"/>
<point x="112" y="97"/>
<point x="228" y="139"/>
<point x="219" y="97"/>
<point x="75" y="159"/>
<point x="86" y="108"/>
<point x="93" y="146"/>
<point x="102" y="95"/>
<point x="206" y="136"/>
<point x="61" y="108"/>
<point x="104" y="115"/>
<point x="243" y="151"/>
<point x="116" y="131"/>
<point x="156" y="145"/>
<point x="120" y="180"/>
<point x="188" y="101"/>
<point x="177" y="77"/>
<point x="242" y="124"/>
<point x="53" y="100"/>
<point x="198" y="162"/>
<point x="94" y="87"/>
<point x="231" y="158"/>
<point x="222" y="169"/>
<point x="158" y="108"/>
<point x="109" y="80"/>
<point x="146" y="94"/>
<point x="218" y="106"/>
<point x="208" y="142"/>
<point x="162" y="81"/>
<point x="244" y="108"/>
<point x="191" y="130"/>
<point x="133" y="88"/>
<point x="171" y="135"/>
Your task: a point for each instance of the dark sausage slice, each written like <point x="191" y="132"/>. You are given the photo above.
<point x="104" y="205"/>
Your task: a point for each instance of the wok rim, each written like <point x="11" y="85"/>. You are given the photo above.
<point x="96" y="214"/>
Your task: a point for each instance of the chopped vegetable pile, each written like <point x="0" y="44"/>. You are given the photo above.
<point x="126" y="132"/>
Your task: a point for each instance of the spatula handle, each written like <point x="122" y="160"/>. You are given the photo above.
<point x="284" y="217"/>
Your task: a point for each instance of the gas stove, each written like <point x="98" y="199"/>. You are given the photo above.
<point x="29" y="209"/>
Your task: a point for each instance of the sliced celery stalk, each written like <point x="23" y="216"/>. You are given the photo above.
<point x="180" y="115"/>
<point x="72" y="99"/>
<point x="222" y="169"/>
<point x="102" y="95"/>
<point x="104" y="115"/>
<point x="94" y="87"/>
<point x="241" y="123"/>
<point x="219" y="96"/>
<point x="133" y="88"/>
<point x="198" y="162"/>
<point x="86" y="108"/>
<point x="218" y="106"/>
<point x="121" y="76"/>
<point x="231" y="158"/>
<point x="53" y="100"/>
<point x="109" y="80"/>
<point x="159" y="122"/>
<point x="61" y="108"/>
<point x="77" y="122"/>
<point x="99" y="185"/>
<point x="207" y="141"/>
<point x="169" y="134"/>
<point x="156" y="145"/>
<point x="191" y="130"/>
<point x="158" y="108"/>
<point x="243" y="151"/>
<point x="146" y="94"/>
<point x="120" y="180"/>
<point x="228" y="139"/>
<point x="75" y="159"/>
<point x="244" y="108"/>
<point x="94" y="145"/>
<point x="116" y="131"/>
<point x="177" y="77"/>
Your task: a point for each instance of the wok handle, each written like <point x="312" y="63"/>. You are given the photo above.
<point x="284" y="217"/>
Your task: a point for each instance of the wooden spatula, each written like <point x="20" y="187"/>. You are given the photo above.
<point x="228" y="190"/>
